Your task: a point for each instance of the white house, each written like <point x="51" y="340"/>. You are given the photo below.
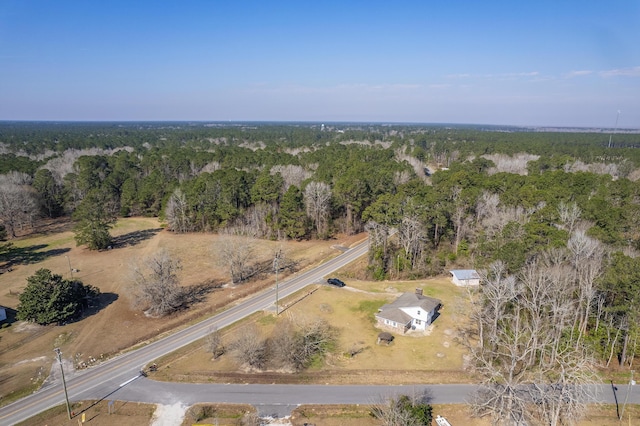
<point x="465" y="277"/>
<point x="409" y="311"/>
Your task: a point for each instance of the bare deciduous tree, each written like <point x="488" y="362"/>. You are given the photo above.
<point x="214" y="343"/>
<point x="510" y="164"/>
<point x="412" y="236"/>
<point x="569" y="215"/>
<point x="282" y="345"/>
<point x="487" y="206"/>
<point x="492" y="217"/>
<point x="257" y="220"/>
<point x="250" y="348"/>
<point x="417" y="165"/>
<point x="403" y="410"/>
<point x="291" y="174"/>
<point x="177" y="212"/>
<point x="533" y="370"/>
<point x="317" y="200"/>
<point x="586" y="255"/>
<point x="18" y="202"/>
<point x="236" y="252"/>
<point x="156" y="288"/>
<point x="295" y="345"/>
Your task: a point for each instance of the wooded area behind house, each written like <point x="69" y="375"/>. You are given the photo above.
<point x="458" y="197"/>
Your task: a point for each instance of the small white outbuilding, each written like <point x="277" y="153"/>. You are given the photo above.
<point x="465" y="277"/>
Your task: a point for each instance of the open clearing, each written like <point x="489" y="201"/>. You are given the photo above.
<point x="116" y="325"/>
<point x="26" y="352"/>
<point x="434" y="357"/>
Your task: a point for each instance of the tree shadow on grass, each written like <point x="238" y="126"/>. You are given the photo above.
<point x="133" y="238"/>
<point x="261" y="270"/>
<point x="27" y="255"/>
<point x="198" y="293"/>
<point x="96" y="305"/>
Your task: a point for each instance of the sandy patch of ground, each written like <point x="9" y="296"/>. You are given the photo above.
<point x="169" y="415"/>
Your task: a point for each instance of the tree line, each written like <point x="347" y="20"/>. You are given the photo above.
<point x="431" y="198"/>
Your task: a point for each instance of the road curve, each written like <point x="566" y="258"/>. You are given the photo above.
<point x="110" y="376"/>
<point x="119" y="378"/>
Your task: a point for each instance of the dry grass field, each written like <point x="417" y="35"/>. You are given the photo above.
<point x="130" y="414"/>
<point x="26" y="350"/>
<point x="433" y="357"/>
<point x="348" y="415"/>
<point x="122" y="414"/>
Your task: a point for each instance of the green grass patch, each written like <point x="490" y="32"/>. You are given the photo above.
<point x="368" y="307"/>
<point x="267" y="320"/>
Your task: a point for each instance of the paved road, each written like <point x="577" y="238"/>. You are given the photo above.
<point x="107" y="378"/>
<point x="279" y="400"/>
<point x="119" y="378"/>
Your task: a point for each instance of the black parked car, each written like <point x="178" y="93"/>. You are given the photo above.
<point x="336" y="282"/>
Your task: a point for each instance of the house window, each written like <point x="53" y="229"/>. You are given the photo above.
<point x="418" y="311"/>
<point x="418" y="322"/>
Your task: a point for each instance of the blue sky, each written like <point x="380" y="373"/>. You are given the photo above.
<point x="549" y="63"/>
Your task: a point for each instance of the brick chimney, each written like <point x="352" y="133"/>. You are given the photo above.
<point x="419" y="291"/>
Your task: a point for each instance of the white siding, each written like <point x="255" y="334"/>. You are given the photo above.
<point x="421" y="318"/>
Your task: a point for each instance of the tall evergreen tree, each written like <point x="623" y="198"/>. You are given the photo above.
<point x="293" y="219"/>
<point x="95" y="216"/>
<point x="48" y="298"/>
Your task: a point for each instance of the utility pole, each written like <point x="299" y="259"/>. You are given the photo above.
<point x="70" y="270"/>
<point x="614" y="129"/>
<point x="276" y="267"/>
<point x="626" y="397"/>
<point x="64" y="383"/>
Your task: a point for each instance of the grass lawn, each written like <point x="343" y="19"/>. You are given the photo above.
<point x="97" y="414"/>
<point x="432" y="357"/>
<point x="350" y="415"/>
<point x="130" y="414"/>
<point x="26" y="350"/>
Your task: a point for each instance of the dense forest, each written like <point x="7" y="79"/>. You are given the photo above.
<point x="432" y="198"/>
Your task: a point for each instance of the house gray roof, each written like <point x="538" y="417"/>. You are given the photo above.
<point x="465" y="274"/>
<point x="395" y="314"/>
<point x="392" y="311"/>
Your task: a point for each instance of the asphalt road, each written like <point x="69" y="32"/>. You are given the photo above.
<point x="279" y="400"/>
<point x="119" y="378"/>
<point x="106" y="379"/>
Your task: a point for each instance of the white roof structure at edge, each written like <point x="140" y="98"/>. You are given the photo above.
<point x="465" y="274"/>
